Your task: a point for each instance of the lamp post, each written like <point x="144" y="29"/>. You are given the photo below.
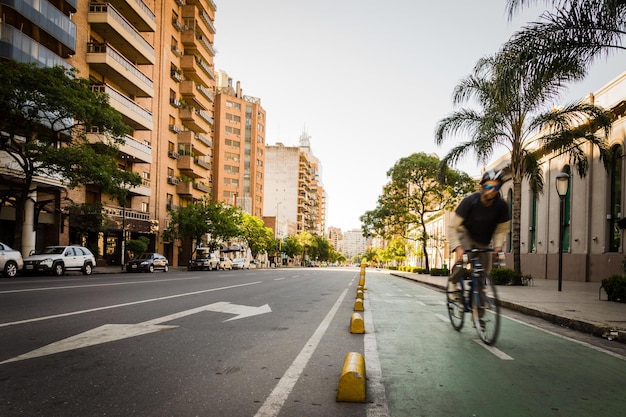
<point x="562" y="185"/>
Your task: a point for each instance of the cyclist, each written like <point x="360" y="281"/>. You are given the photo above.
<point x="480" y="219"/>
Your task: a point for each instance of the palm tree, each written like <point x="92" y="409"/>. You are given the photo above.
<point x="511" y="111"/>
<point x="575" y="31"/>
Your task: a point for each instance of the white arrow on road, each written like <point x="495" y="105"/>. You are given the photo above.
<point x="113" y="332"/>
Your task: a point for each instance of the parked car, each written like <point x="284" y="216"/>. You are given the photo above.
<point x="58" y="259"/>
<point x="10" y="261"/>
<point x="148" y="262"/>
<point x="204" y="259"/>
<point x="241" y="263"/>
<point x="226" y="263"/>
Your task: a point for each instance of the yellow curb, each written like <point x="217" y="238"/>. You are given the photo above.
<point x="358" y="305"/>
<point x="359" y="294"/>
<point x="351" y="386"/>
<point x="356" y="324"/>
<point x="362" y="282"/>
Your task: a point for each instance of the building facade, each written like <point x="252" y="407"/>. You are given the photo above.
<point x="294" y="194"/>
<point x="593" y="215"/>
<point x="239" y="147"/>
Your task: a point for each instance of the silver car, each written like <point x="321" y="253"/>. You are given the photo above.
<point x="10" y="261"/>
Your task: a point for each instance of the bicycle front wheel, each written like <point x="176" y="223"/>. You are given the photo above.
<point x="456" y="309"/>
<point x="486" y="311"/>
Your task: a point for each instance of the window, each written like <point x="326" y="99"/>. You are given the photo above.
<point x="145" y="207"/>
<point x="615" y="195"/>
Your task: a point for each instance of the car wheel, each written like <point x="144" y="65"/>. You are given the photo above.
<point x="10" y="269"/>
<point x="167" y="268"/>
<point x="151" y="268"/>
<point x="58" y="269"/>
<point x="87" y="270"/>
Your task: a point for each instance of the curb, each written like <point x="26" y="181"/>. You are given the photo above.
<point x="594" y="329"/>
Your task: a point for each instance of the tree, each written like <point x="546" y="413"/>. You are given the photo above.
<point x="45" y="115"/>
<point x="292" y="246"/>
<point x="204" y="218"/>
<point x="415" y="192"/>
<point x="258" y="237"/>
<point x="574" y="33"/>
<point x="512" y="112"/>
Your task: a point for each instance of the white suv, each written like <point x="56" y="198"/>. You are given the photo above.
<point x="58" y="259"/>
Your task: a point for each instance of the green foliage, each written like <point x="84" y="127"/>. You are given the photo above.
<point x="205" y="217"/>
<point x="507" y="108"/>
<point x="292" y="246"/>
<point x="615" y="287"/>
<point x="506" y="276"/>
<point x="439" y="272"/>
<point x="138" y="246"/>
<point x="45" y="116"/>
<point x="258" y="237"/>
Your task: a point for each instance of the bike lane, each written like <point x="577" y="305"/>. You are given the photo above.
<point x="429" y="369"/>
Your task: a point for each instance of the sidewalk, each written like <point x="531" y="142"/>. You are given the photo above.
<point x="576" y="306"/>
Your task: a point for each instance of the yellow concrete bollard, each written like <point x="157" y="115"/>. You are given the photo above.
<point x="356" y="324"/>
<point x="358" y="305"/>
<point x="351" y="386"/>
<point x="362" y="282"/>
<point x="359" y="294"/>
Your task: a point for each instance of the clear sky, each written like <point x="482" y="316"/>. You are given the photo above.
<point x="367" y="80"/>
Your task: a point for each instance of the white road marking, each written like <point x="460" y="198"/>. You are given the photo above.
<point x="278" y="279"/>
<point x="580" y="342"/>
<point x="112" y="332"/>
<point x="91" y="310"/>
<point x="497" y="352"/>
<point x="443" y="318"/>
<point x="274" y="402"/>
<point x="111" y="284"/>
<point x="377" y="404"/>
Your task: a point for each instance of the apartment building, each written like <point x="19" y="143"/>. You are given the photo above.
<point x="293" y="189"/>
<point x="354" y="243"/>
<point x="239" y="147"/>
<point x="42" y="33"/>
<point x="155" y="61"/>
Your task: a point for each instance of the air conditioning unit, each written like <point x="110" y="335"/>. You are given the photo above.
<point x="173" y="180"/>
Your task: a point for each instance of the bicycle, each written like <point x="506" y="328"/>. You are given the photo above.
<point x="477" y="294"/>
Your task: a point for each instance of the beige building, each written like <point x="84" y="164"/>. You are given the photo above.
<point x="294" y="194"/>
<point x="593" y="238"/>
<point x="239" y="147"/>
<point x="154" y="59"/>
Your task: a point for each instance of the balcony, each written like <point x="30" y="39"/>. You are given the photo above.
<point x="196" y="69"/>
<point x="137" y="13"/>
<point x="195" y="189"/>
<point x="196" y="94"/>
<point x="137" y="117"/>
<point x="191" y="167"/>
<point x="137" y="221"/>
<point x="172" y="180"/>
<point x="112" y="65"/>
<point x="132" y="150"/>
<point x="200" y="143"/>
<point x="195" y="119"/>
<point x="141" y="190"/>
<point x="106" y="21"/>
<point x="205" y="22"/>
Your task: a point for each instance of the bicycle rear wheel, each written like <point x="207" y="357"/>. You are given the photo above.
<point x="486" y="311"/>
<point x="456" y="309"/>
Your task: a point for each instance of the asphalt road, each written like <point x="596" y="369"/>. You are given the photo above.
<point x="272" y="343"/>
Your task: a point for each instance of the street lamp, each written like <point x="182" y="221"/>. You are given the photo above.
<point x="562" y="184"/>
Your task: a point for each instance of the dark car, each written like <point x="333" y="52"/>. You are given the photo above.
<point x="148" y="262"/>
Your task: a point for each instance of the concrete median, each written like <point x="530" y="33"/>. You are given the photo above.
<point x="351" y="386"/>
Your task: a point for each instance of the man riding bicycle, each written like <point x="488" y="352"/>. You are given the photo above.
<point x="480" y="219"/>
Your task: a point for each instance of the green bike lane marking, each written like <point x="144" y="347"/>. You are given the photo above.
<point x="431" y="370"/>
